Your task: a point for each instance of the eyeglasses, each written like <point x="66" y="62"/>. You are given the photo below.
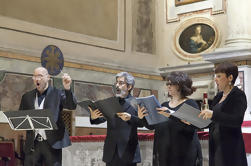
<point x="38" y="77"/>
<point x="170" y="83"/>
<point x="120" y="83"/>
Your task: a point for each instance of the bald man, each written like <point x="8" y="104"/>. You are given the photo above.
<point x="45" y="146"/>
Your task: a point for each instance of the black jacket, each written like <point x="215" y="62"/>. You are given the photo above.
<point x="55" y="101"/>
<point x="226" y="145"/>
<point x="122" y="135"/>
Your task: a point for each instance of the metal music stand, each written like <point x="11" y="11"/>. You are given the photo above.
<point x="31" y="119"/>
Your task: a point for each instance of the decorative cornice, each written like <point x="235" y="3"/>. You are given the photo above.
<point x="228" y="54"/>
<point x="175" y="13"/>
<point x="77" y="65"/>
<point x="195" y="68"/>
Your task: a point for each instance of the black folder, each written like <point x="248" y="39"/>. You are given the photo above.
<point x="88" y="103"/>
<point x="109" y="106"/>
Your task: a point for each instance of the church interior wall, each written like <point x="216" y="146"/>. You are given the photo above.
<point x="140" y="41"/>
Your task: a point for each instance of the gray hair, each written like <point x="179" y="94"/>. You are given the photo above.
<point x="128" y="78"/>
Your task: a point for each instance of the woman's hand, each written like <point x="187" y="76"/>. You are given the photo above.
<point x="206" y="114"/>
<point x="162" y="111"/>
<point x="95" y="114"/>
<point x="142" y="112"/>
<point x="186" y="122"/>
<point x="124" y="116"/>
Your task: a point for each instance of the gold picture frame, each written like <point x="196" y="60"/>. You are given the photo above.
<point x="194" y="37"/>
<point x="185" y="2"/>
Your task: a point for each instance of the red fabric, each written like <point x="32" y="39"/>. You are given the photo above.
<point x="247" y="140"/>
<point x="145" y="136"/>
<point x="88" y="138"/>
<point x="7" y="150"/>
<point x="141" y="136"/>
<point x="99" y="138"/>
<point x="149" y="137"/>
<point x="246" y="124"/>
<point x="203" y="135"/>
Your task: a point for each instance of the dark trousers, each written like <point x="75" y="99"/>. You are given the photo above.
<point x="117" y="161"/>
<point x="43" y="154"/>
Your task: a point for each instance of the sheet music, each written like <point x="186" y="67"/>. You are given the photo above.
<point x="3" y="118"/>
<point x="190" y="114"/>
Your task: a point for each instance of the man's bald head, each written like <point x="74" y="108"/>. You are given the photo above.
<point x="41" y="79"/>
<point x="42" y="70"/>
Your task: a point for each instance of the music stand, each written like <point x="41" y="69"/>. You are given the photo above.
<point x="31" y="119"/>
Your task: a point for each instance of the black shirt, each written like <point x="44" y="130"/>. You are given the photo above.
<point x="41" y="96"/>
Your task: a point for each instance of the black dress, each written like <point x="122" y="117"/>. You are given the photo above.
<point x="226" y="145"/>
<point x="175" y="143"/>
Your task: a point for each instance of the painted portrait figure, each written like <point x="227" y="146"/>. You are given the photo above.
<point x="197" y="38"/>
<point x="197" y="43"/>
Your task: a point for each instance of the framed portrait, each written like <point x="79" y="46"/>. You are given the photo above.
<point x="184" y="2"/>
<point x="194" y="37"/>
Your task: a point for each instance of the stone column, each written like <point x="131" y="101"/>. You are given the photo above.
<point x="237" y="46"/>
<point x="239" y="23"/>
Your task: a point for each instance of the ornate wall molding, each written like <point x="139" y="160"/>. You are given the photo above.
<point x="77" y="65"/>
<point x="174" y="13"/>
<point x="35" y="29"/>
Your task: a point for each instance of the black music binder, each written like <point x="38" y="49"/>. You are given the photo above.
<point x="109" y="106"/>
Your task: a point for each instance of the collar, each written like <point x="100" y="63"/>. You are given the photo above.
<point x="121" y="100"/>
<point x="43" y="94"/>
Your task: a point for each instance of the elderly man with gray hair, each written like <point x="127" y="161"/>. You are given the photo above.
<point x="121" y="145"/>
<point x="125" y="91"/>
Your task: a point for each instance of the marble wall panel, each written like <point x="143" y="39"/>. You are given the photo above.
<point x="91" y="91"/>
<point x="144" y="26"/>
<point x="12" y="87"/>
<point x="90" y="17"/>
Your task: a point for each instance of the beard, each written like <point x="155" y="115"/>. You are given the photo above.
<point x="121" y="93"/>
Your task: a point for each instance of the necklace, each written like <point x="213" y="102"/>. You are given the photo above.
<point x="225" y="95"/>
<point x="177" y="102"/>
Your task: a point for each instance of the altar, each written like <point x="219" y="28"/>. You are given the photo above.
<point x="88" y="150"/>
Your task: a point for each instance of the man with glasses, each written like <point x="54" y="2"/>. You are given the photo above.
<point x="45" y="146"/>
<point x="121" y="146"/>
<point x="124" y="85"/>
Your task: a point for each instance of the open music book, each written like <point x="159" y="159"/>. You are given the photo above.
<point x="109" y="106"/>
<point x="151" y="103"/>
<point x="190" y="114"/>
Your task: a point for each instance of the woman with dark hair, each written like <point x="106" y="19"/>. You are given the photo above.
<point x="226" y="145"/>
<point x="175" y="141"/>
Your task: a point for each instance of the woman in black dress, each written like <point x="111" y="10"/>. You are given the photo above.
<point x="175" y="141"/>
<point x="226" y="145"/>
